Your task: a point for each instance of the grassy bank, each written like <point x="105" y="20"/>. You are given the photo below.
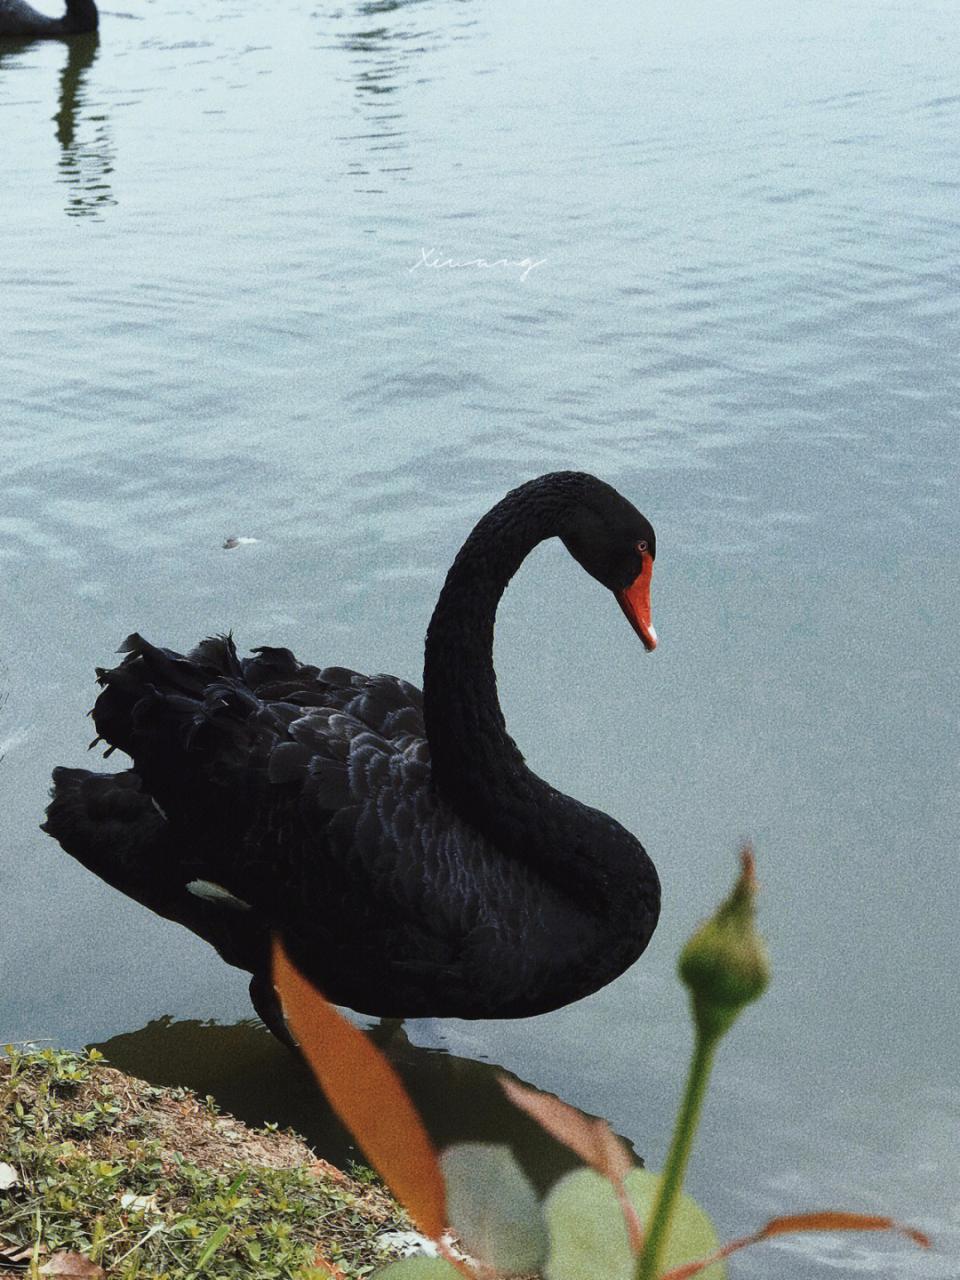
<point x="148" y="1183"/>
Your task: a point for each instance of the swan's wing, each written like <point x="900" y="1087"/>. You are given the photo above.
<point x="253" y="758"/>
<point x="415" y="900"/>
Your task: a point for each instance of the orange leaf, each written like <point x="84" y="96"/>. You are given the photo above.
<point x="826" y="1220"/>
<point x="366" y="1093"/>
<point x="591" y="1139"/>
<point x="829" y="1220"/>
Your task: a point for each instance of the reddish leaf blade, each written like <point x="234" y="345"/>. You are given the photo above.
<point x="829" y="1220"/>
<point x="592" y="1140"/>
<point x="694" y="1268"/>
<point x="825" y="1220"/>
<point x="366" y="1093"/>
<point x="634" y="1225"/>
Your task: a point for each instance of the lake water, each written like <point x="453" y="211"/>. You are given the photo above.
<point x="746" y="318"/>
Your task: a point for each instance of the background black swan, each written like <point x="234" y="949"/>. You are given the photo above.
<point x="19" y="19"/>
<point x="412" y="863"/>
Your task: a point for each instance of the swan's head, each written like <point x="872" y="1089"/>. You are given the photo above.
<point x="616" y="544"/>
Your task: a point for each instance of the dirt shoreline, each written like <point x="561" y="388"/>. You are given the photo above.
<point x="147" y="1182"/>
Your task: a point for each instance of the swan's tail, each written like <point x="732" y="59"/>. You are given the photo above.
<point x="110" y="824"/>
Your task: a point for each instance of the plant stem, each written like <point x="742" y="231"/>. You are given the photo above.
<point x="671" y="1183"/>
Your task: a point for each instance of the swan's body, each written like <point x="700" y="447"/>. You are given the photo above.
<point x="21" y="21"/>
<point x="412" y="863"/>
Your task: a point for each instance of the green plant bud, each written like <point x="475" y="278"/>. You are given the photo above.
<point x="725" y="964"/>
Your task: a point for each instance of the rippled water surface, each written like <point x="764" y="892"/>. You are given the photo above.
<point x="218" y="319"/>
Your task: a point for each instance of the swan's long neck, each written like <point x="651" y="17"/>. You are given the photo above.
<point x="476" y="765"/>
<point x="472" y="753"/>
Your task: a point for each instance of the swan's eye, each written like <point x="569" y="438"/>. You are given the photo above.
<point x="641" y="547"/>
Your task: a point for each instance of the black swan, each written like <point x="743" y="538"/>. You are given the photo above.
<point x="412" y="863"/>
<point x="20" y="20"/>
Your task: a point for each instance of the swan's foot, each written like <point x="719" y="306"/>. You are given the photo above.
<point x="268" y="1009"/>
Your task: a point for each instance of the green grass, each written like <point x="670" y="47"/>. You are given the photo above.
<point x="85" y="1140"/>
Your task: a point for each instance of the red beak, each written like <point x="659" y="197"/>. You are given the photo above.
<point x="635" y="603"/>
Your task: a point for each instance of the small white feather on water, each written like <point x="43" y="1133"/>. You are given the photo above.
<point x="13" y="740"/>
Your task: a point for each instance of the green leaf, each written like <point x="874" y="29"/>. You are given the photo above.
<point x="493" y="1208"/>
<point x="419" y="1269"/>
<point x="591" y="1139"/>
<point x="588" y="1236"/>
<point x="212" y="1245"/>
<point x="692" y="1234"/>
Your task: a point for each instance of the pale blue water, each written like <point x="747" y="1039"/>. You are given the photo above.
<point x="746" y="319"/>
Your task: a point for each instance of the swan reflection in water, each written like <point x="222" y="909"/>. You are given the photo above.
<point x="255" y="1078"/>
<point x="85" y="162"/>
<point x="389" y="46"/>
<point x="86" y="148"/>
